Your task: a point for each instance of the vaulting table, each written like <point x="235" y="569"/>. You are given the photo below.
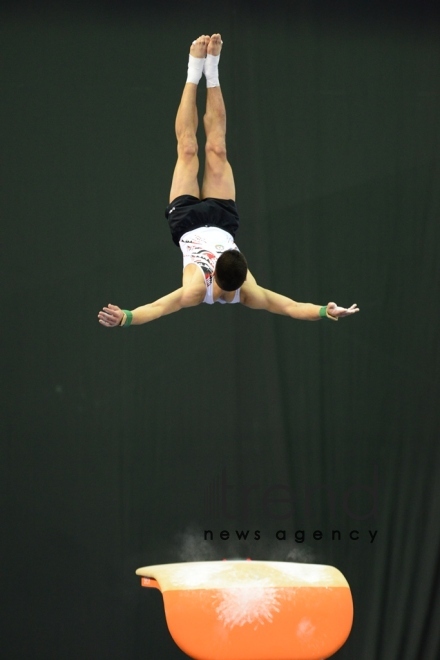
<point x="253" y="610"/>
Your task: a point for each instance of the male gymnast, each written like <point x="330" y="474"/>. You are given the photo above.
<point x="204" y="222"/>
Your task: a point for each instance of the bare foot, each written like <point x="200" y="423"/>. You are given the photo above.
<point x="199" y="46"/>
<point x="215" y="44"/>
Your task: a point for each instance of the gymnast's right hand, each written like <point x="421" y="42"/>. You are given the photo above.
<point x="110" y="316"/>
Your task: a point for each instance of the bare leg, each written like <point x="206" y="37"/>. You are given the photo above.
<point x="218" y="179"/>
<point x="187" y="166"/>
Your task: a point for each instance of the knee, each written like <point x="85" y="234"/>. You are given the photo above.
<point x="187" y="147"/>
<point x="216" y="147"/>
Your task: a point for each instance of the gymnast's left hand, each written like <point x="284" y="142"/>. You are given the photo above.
<point x="110" y="316"/>
<point x="339" y="312"/>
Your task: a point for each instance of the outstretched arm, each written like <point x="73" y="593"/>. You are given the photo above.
<point x="112" y="315"/>
<point x="254" y="296"/>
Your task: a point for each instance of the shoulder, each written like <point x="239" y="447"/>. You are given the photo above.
<point x="192" y="295"/>
<point x="250" y="279"/>
<point x="251" y="294"/>
<point x="249" y="283"/>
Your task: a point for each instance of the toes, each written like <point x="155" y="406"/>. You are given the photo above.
<point x="201" y="42"/>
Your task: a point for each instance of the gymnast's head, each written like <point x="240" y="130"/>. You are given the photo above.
<point x="230" y="270"/>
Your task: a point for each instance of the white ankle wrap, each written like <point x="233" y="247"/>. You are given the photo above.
<point x="195" y="69"/>
<point x="211" y="70"/>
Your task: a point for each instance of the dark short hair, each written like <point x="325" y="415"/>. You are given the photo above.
<point x="230" y="270"/>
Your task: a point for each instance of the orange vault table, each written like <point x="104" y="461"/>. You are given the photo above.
<point x="253" y="610"/>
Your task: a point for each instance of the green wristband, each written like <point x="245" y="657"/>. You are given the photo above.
<point x="323" y="313"/>
<point x="126" y="321"/>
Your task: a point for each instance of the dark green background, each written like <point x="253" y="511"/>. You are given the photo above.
<point x="115" y="444"/>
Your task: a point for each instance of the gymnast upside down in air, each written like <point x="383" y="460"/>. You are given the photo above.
<point x="204" y="222"/>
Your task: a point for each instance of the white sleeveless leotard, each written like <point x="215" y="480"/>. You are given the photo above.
<point x="203" y="246"/>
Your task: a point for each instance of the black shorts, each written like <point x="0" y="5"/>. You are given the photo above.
<point x="187" y="212"/>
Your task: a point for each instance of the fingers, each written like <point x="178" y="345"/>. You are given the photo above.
<point x="109" y="316"/>
<point x="110" y="312"/>
<point x="338" y="312"/>
<point x="351" y="310"/>
<point x="107" y="321"/>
